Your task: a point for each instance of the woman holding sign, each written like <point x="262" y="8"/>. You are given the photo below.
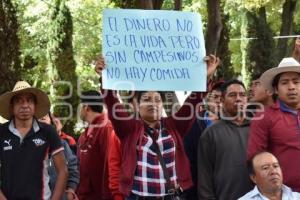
<point x="154" y="164"/>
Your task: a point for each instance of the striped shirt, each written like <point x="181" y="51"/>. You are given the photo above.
<point x="149" y="178"/>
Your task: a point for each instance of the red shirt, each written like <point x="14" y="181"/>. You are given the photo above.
<point x="93" y="148"/>
<point x="279" y="133"/>
<point x="114" y="163"/>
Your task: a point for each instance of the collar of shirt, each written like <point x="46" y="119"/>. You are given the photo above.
<point x="15" y="131"/>
<point x="101" y="118"/>
<point x="246" y="122"/>
<point x="99" y="121"/>
<point x="284" y="108"/>
<point x="255" y="193"/>
<point x="154" y="132"/>
<point x="207" y="120"/>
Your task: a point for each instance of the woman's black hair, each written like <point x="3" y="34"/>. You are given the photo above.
<point x="276" y="81"/>
<point x="140" y="93"/>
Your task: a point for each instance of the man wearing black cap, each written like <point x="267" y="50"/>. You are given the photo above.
<point x="93" y="148"/>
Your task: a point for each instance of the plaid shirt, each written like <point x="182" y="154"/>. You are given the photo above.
<point x="149" y="178"/>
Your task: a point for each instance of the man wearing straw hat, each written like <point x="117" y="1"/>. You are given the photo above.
<point x="25" y="146"/>
<point x="278" y="130"/>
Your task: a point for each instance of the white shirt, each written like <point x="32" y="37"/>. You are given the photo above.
<point x="287" y="194"/>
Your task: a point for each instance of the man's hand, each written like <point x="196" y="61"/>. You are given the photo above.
<point x="100" y="64"/>
<point x="296" y="52"/>
<point x="212" y="64"/>
<point x="70" y="194"/>
<point x="2" y="197"/>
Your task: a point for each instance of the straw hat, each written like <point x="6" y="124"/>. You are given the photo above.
<point x="42" y="106"/>
<point x="286" y="65"/>
<point x="2" y="120"/>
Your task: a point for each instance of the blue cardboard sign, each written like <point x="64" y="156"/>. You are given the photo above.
<point x="153" y="50"/>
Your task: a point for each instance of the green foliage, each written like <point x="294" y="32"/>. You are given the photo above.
<point x="87" y="15"/>
<point x="252" y="5"/>
<point x="33" y="19"/>
<point x="126" y="3"/>
<point x="261" y="50"/>
<point x="238" y="25"/>
<point x="297" y="18"/>
<point x="62" y="66"/>
<point x="243" y="48"/>
<point x="198" y="6"/>
<point x="38" y="31"/>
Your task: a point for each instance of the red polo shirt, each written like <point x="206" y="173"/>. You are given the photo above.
<point x="278" y="131"/>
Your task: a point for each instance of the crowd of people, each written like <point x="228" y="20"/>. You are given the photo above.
<point x="240" y="145"/>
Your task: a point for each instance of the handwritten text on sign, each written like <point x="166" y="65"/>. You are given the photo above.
<point x="153" y="50"/>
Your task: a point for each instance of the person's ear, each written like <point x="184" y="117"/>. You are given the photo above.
<point x="88" y="108"/>
<point x="269" y="93"/>
<point x="222" y="98"/>
<point x="275" y="90"/>
<point x="11" y="108"/>
<point x="253" y="178"/>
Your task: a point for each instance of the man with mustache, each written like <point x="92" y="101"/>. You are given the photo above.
<point x="278" y="129"/>
<point x="222" y="171"/>
<point x="26" y="146"/>
<point x="265" y="172"/>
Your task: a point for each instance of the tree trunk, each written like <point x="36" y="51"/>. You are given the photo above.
<point x="157" y="4"/>
<point x="214" y="26"/>
<point x="225" y="71"/>
<point x="178" y="5"/>
<point x="127" y="4"/>
<point x="10" y="67"/>
<point x="287" y="18"/>
<point x="150" y="4"/>
<point x="146" y="4"/>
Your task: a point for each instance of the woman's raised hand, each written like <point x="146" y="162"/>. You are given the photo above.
<point x="212" y="64"/>
<point x="100" y="64"/>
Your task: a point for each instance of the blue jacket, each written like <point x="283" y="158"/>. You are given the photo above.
<point x="72" y="164"/>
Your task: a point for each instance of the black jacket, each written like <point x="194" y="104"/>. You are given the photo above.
<point x="191" y="147"/>
<point x="222" y="171"/>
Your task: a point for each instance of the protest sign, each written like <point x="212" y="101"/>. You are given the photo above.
<point x="153" y="50"/>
